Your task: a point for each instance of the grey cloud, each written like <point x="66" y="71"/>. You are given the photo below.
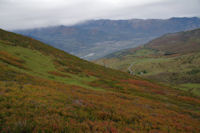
<point x="20" y="14"/>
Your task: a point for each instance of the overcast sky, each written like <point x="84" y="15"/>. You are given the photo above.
<point x="21" y="14"/>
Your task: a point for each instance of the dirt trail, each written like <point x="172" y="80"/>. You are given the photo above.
<point x="130" y="70"/>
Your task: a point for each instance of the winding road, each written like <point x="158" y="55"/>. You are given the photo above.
<point x="130" y="70"/>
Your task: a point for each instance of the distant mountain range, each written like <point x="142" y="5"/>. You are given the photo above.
<point x="97" y="38"/>
<point x="173" y="58"/>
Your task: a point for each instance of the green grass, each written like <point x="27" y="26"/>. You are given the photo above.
<point x="34" y="60"/>
<point x="144" y="52"/>
<point x="156" y="66"/>
<point x="40" y="64"/>
<point x="191" y="87"/>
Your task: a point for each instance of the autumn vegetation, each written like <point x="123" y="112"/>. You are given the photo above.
<point x="45" y="90"/>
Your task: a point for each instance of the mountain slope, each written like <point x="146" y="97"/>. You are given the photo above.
<point x="43" y="89"/>
<point x="172" y="58"/>
<point x="180" y="43"/>
<point x="97" y="38"/>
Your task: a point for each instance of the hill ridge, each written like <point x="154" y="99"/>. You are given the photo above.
<point x="43" y="89"/>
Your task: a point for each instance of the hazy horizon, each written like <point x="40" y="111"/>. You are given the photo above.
<point x="85" y="21"/>
<point x="25" y="14"/>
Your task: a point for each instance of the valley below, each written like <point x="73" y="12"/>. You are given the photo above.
<point x="172" y="59"/>
<point x="98" y="38"/>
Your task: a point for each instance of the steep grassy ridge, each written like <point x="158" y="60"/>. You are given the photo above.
<point x="43" y="89"/>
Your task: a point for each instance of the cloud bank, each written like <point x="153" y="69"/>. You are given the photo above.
<point x="22" y="14"/>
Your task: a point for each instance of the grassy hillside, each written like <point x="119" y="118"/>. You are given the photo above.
<point x="172" y="58"/>
<point x="43" y="89"/>
<point x="178" y="43"/>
